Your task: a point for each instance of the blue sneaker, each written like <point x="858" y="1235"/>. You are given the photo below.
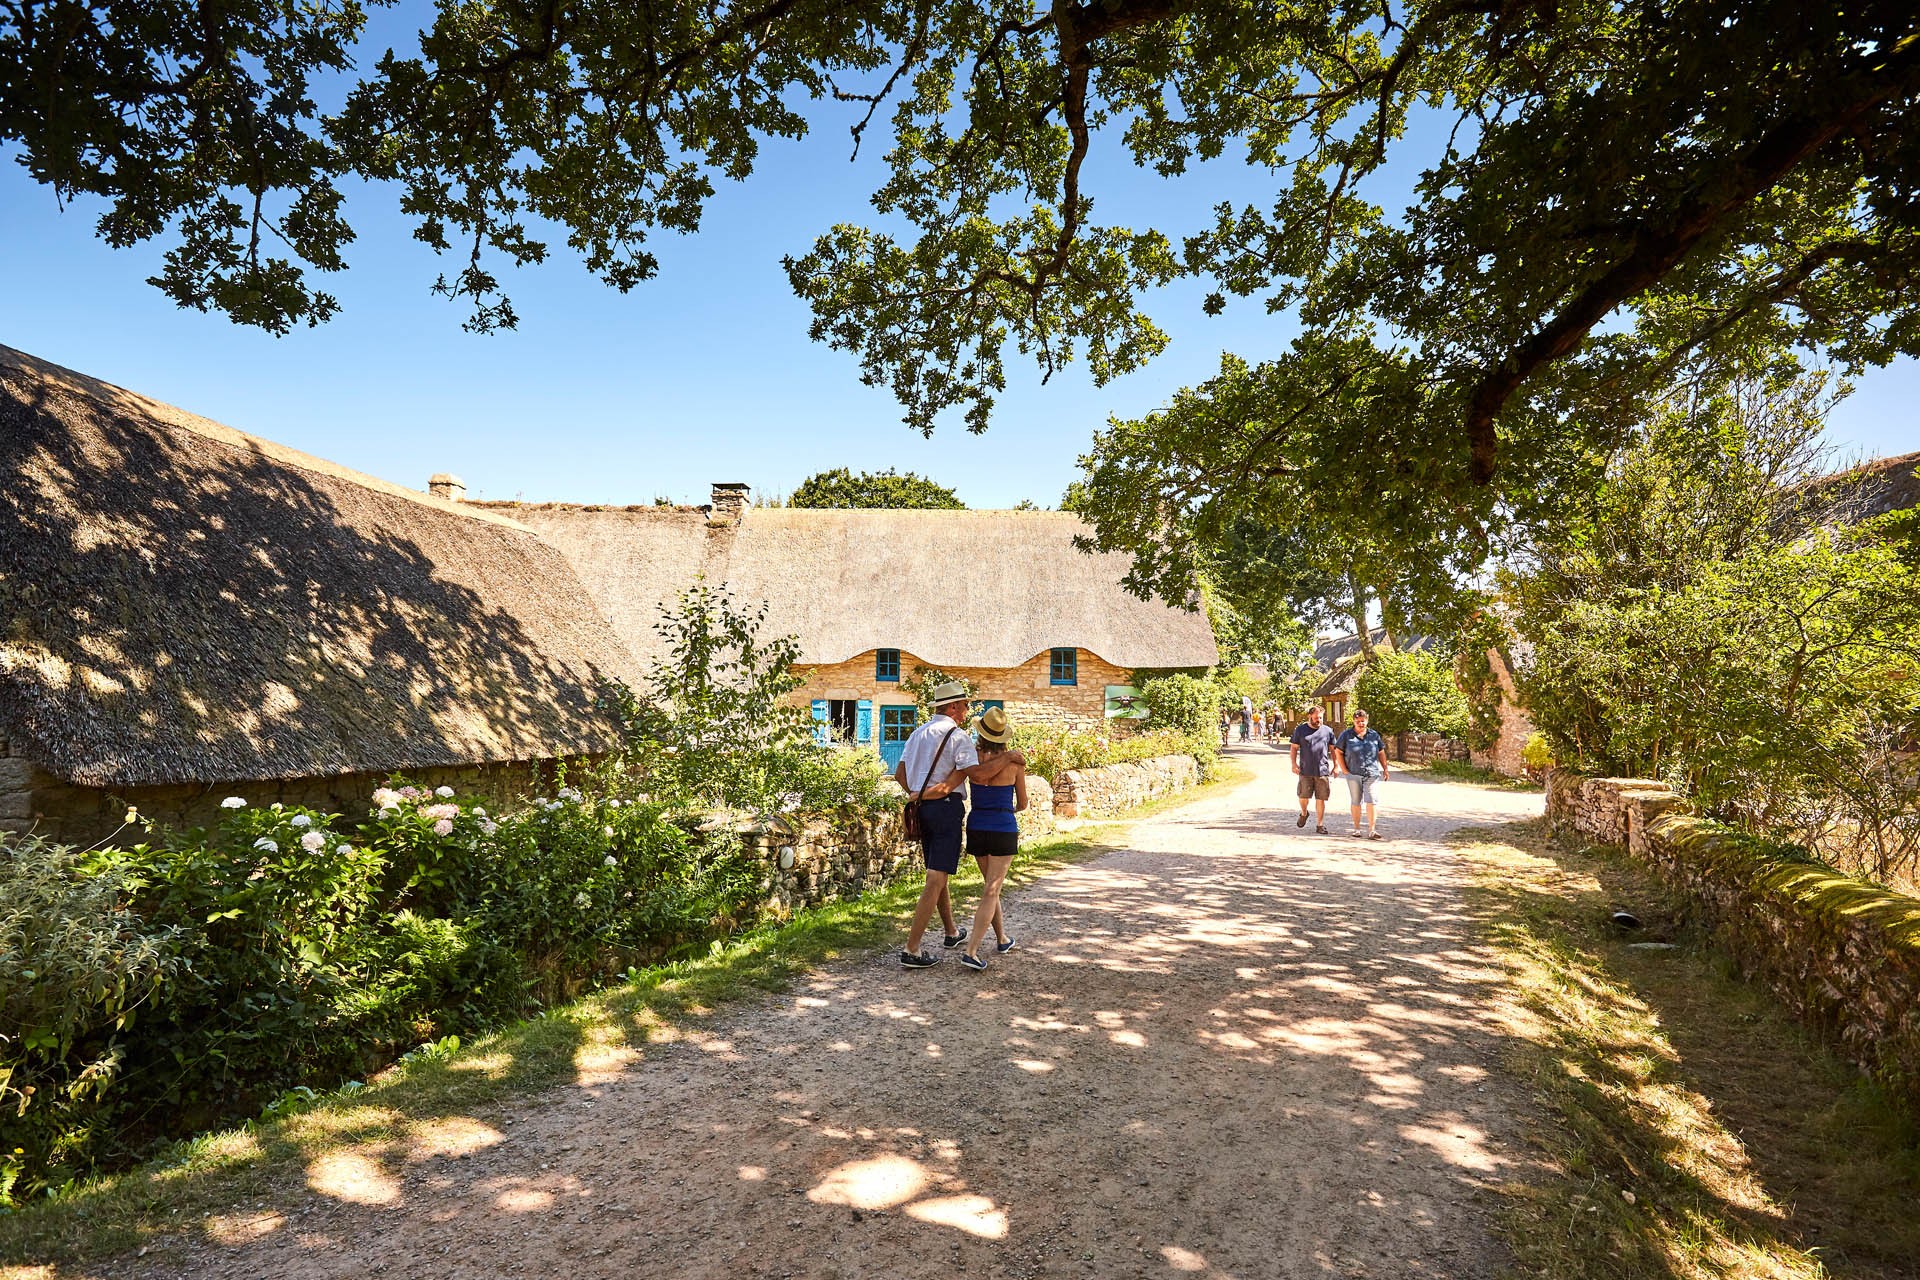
<point x="952" y="940"/>
<point x="1004" y="947"/>
<point x="922" y="959"/>
<point x="974" y="963"/>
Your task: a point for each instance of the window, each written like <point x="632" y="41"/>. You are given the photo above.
<point x="896" y="723"/>
<point x="843" y="718"/>
<point x="886" y="666"/>
<point x="1064" y="668"/>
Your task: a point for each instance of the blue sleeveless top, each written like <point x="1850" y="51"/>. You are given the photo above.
<point x="992" y="809"/>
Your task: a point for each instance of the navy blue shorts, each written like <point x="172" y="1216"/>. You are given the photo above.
<point x="942" y="822"/>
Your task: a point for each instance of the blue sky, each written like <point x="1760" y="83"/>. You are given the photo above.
<point x="703" y="374"/>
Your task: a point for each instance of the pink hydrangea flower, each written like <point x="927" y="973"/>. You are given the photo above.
<point x="443" y="828"/>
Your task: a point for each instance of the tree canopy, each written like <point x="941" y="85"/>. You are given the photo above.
<point x="842" y="488"/>
<point x="1629" y="194"/>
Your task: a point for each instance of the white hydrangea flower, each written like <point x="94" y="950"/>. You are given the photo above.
<point x="345" y="850"/>
<point x="488" y="828"/>
<point x="478" y="812"/>
<point x="266" y="846"/>
<point x="443" y="792"/>
<point x="233" y="802"/>
<point x="607" y="832"/>
<point x="443" y="828"/>
<point x="313" y="842"/>
<point x="581" y="900"/>
<point x="613" y="804"/>
<point x="302" y="820"/>
<point x="611" y="861"/>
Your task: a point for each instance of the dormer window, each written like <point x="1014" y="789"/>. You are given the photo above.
<point x="1064" y="667"/>
<point x="886" y="666"/>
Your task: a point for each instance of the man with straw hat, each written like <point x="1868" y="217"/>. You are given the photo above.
<point x="933" y="753"/>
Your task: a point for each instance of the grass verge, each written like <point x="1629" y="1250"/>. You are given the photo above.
<point x="187" y="1188"/>
<point x="1692" y="1129"/>
<point x="1471" y="774"/>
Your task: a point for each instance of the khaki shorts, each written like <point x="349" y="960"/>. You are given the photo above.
<point x="1314" y="788"/>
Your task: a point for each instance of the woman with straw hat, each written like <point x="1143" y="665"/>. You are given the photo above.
<point x="999" y="789"/>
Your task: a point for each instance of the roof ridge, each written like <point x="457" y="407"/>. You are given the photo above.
<point x="173" y="416"/>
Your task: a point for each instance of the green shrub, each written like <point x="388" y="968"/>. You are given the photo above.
<point x="75" y="967"/>
<point x="1052" y="750"/>
<point x="1182" y="704"/>
<point x="1412" y="693"/>
<point x="1536" y="754"/>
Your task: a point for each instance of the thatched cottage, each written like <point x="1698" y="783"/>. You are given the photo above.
<point x="189" y="612"/>
<point x="1002" y="599"/>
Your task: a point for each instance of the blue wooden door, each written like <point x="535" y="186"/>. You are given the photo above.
<point x="896" y="726"/>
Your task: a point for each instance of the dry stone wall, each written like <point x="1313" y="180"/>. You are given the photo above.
<point x="1842" y="953"/>
<point x="1115" y="788"/>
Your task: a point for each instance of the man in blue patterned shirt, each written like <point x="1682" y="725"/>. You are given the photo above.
<point x="1361" y="754"/>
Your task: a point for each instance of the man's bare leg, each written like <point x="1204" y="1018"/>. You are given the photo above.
<point x="932" y="896"/>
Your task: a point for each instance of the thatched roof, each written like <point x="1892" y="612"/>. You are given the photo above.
<point x="1009" y="584"/>
<point x="1873" y="488"/>
<point x="1343" y="661"/>
<point x="181" y="602"/>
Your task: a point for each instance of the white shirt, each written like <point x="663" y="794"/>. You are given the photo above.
<point x="917" y="757"/>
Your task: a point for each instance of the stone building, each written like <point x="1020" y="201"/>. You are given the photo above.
<point x="189" y="612"/>
<point x="1506" y="753"/>
<point x="1344" y="661"/>
<point x="1002" y="599"/>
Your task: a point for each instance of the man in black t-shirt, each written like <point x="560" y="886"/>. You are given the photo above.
<point x="1312" y="756"/>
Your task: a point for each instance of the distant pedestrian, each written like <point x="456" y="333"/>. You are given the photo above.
<point x="1226" y="727"/>
<point x="934" y="751"/>
<point x="1312" y="757"/>
<point x="1361" y="754"/>
<point x="1246" y="716"/>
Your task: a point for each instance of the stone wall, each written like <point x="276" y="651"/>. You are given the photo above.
<point x="1115" y="788"/>
<point x="31" y="799"/>
<point x="1425" y="748"/>
<point x="1505" y="755"/>
<point x="818" y="861"/>
<point x="1843" y="954"/>
<point x="1028" y="690"/>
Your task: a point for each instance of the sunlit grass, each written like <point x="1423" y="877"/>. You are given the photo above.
<point x="416" y="1105"/>
<point x="1692" y="1129"/>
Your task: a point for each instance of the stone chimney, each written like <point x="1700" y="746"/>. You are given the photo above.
<point x="452" y="488"/>
<point x="729" y="504"/>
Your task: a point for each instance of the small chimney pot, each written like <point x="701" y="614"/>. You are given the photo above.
<point x="452" y="488"/>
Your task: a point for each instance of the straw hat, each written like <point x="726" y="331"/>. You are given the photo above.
<point x="993" y="727"/>
<point x="951" y="691"/>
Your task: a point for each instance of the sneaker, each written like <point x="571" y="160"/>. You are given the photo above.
<point x="1355" y="833"/>
<point x="1004" y="947"/>
<point x="973" y="962"/>
<point x="922" y="959"/>
<point x="1301" y="821"/>
<point x="1319" y="830"/>
<point x="952" y="940"/>
<point x="1375" y="835"/>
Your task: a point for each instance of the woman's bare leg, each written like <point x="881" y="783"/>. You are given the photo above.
<point x="993" y="871"/>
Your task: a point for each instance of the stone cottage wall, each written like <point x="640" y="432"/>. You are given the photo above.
<point x="1842" y="953"/>
<point x="31" y="799"/>
<point x="1028" y="691"/>
<point x="1505" y="755"/>
<point x="1114" y="788"/>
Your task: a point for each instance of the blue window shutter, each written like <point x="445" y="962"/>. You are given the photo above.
<point x="864" y="723"/>
<point x="821" y="734"/>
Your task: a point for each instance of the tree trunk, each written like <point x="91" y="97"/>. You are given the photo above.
<point x="1392" y="621"/>
<point x="1360" y="627"/>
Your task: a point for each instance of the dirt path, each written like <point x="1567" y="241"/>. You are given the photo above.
<point x="1231" y="1050"/>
